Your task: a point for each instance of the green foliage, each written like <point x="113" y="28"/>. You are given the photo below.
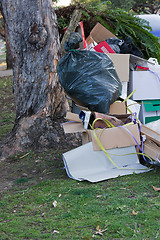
<point x="125" y="4"/>
<point x="124" y="24"/>
<point x="86" y="16"/>
<point x="139" y="6"/>
<point x="149" y="6"/>
<point x="62" y="22"/>
<point x="120" y="23"/>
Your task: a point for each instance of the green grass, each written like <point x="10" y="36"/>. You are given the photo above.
<point x="125" y="207"/>
<point x="2" y="55"/>
<point x="7" y="108"/>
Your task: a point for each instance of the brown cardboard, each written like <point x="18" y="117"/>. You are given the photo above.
<point x="99" y="34"/>
<point x="73" y="127"/>
<point x="152" y="150"/>
<point x="150" y="134"/>
<point x="86" y="137"/>
<point x="118" y="108"/>
<point x="73" y="117"/>
<point x="122" y="64"/>
<point x="116" y="137"/>
<point x="110" y="137"/>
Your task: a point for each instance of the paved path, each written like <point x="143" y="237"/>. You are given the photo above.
<point x="6" y="73"/>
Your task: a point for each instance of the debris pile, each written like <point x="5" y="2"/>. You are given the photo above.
<point x="115" y="97"/>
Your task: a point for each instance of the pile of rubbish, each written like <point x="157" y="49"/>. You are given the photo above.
<point x="115" y="106"/>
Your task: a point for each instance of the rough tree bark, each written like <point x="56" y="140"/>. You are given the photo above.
<point x="39" y="98"/>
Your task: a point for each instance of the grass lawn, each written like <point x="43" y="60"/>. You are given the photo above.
<point x="39" y="201"/>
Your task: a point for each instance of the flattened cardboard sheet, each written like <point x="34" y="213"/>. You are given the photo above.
<point x="122" y="63"/>
<point x="73" y="127"/>
<point x="73" y="117"/>
<point x="147" y="85"/>
<point x="99" y="34"/>
<point x="83" y="163"/>
<point x="150" y="134"/>
<point x="152" y="150"/>
<point x="118" y="108"/>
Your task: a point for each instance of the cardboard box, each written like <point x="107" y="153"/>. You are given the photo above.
<point x="99" y="34"/>
<point x="110" y="137"/>
<point x="118" y="107"/>
<point x="150" y="134"/>
<point x="147" y="85"/>
<point x="149" y="111"/>
<point x="124" y="62"/>
<point x="151" y="146"/>
<point x="117" y="137"/>
<point x="152" y="150"/>
<point x="103" y="47"/>
<point x="74" y="125"/>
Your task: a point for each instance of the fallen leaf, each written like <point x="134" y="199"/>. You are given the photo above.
<point x="24" y="155"/>
<point x="60" y="195"/>
<point x="134" y="213"/>
<point x="156" y="189"/>
<point x="55" y="231"/>
<point x="98" y="196"/>
<point x="54" y="203"/>
<point x="97" y="228"/>
<point x="99" y="231"/>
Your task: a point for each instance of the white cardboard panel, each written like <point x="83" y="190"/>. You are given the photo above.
<point x="83" y="163"/>
<point x="146" y="84"/>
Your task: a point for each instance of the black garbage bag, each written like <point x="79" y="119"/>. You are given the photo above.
<point x="124" y="46"/>
<point x="73" y="42"/>
<point x="89" y="77"/>
<point x="129" y="47"/>
<point x="115" y="44"/>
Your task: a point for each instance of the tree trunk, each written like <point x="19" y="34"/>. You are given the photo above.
<point x="9" y="60"/>
<point x="39" y="97"/>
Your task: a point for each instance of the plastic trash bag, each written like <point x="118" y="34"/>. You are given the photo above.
<point x="129" y="47"/>
<point x="115" y="44"/>
<point x="89" y="77"/>
<point x="74" y="39"/>
<point x="124" y="46"/>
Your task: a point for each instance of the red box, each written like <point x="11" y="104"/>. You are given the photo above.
<point x="103" y="47"/>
